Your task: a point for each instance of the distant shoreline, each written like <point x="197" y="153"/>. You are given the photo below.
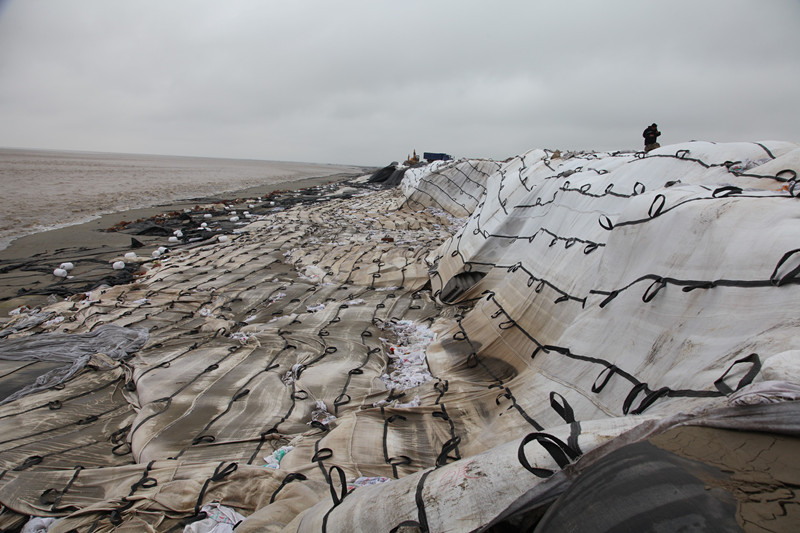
<point x="56" y="151"/>
<point x="44" y="251"/>
<point x="49" y="190"/>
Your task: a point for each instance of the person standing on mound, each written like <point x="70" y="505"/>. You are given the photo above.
<point x="650" y="135"/>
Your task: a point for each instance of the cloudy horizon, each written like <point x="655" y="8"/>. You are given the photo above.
<point x="365" y="83"/>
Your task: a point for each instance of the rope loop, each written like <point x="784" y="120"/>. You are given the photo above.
<point x="790" y="276"/>
<point x="746" y="380"/>
<point x="653" y="289"/>
<point x="560" y="451"/>
<point x="337" y="498"/>
<point x="657" y="206"/>
<point x="724" y="192"/>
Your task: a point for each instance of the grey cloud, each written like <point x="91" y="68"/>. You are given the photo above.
<point x="366" y="82"/>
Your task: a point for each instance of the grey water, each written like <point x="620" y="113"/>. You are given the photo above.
<point x="45" y="189"/>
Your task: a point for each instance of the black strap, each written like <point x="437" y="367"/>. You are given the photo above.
<point x="220" y="472"/>
<point x="203" y="438"/>
<point x="294" y="476"/>
<point x="728" y="190"/>
<point x="337" y="498"/>
<point x="563" y="409"/>
<point x="447" y="447"/>
<point x="746" y="380"/>
<point x="626" y="405"/>
<point x="321" y="455"/>
<point x="608" y="371"/>
<point x="653" y="289"/>
<point x="560" y="451"/>
<point x="241" y="395"/>
<point x="788" y="277"/>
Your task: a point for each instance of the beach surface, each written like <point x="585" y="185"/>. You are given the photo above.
<point x="48" y="189"/>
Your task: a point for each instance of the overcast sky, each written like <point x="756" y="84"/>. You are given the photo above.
<point x="366" y="82"/>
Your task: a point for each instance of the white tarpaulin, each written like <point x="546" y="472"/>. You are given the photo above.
<point x="478" y="335"/>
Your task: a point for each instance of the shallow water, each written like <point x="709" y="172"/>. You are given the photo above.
<point x="44" y="189"/>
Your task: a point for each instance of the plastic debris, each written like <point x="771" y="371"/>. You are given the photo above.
<point x="54" y="321"/>
<point x="219" y="519"/>
<point x="67" y="266"/>
<point x="37" y="525"/>
<point x="365" y="481"/>
<point x="321" y="414"/>
<point x="60" y="273"/>
<point x="410" y="368"/>
<point x="292" y="375"/>
<point x="118" y="265"/>
<point x="274" y="459"/>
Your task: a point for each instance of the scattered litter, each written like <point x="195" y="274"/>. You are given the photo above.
<point x="219" y="519"/>
<point x="396" y="403"/>
<point x="292" y="375"/>
<point x="747" y="164"/>
<point x="54" y="321"/>
<point x="410" y="368"/>
<point x="276" y="297"/>
<point x="321" y="414"/>
<point x="130" y="255"/>
<point x="355" y="302"/>
<point x="118" y="265"/>
<point x="60" y="273"/>
<point x="222" y="238"/>
<point x="241" y="336"/>
<point x="274" y="459"/>
<point x="315" y="308"/>
<point x="67" y="266"/>
<point x="37" y="525"/>
<point x="364" y="481"/>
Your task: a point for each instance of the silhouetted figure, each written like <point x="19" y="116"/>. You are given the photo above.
<point x="650" y="135"/>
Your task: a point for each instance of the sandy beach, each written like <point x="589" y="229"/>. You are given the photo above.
<point x="443" y="355"/>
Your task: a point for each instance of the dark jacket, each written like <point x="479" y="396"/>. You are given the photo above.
<point x="650" y="134"/>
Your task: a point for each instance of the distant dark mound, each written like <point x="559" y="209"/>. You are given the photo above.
<point x="389" y="176"/>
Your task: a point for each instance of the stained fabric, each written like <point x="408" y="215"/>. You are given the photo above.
<point x="480" y="334"/>
<point x="75" y="350"/>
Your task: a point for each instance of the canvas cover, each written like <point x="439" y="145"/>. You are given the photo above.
<point x="478" y="335"/>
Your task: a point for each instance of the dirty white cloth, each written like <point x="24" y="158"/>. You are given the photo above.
<point x="220" y="519"/>
<point x="37" y="525"/>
